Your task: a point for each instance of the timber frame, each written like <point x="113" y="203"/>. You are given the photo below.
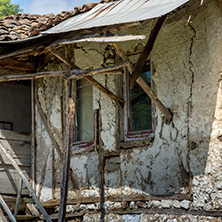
<point x="71" y="75"/>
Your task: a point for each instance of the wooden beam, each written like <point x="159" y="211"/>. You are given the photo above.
<point x="18" y="169"/>
<point x="144" y="85"/>
<point x="154" y="99"/>
<point x="34" y="212"/>
<point x="146" y="51"/>
<point x="68" y="74"/>
<point x="118" y="100"/>
<point x="57" y="147"/>
<point x="67" y="150"/>
<point x="63" y="58"/>
<point x="103" y="70"/>
<point x="90" y="79"/>
<point x="37" y="75"/>
<point x="117" y="198"/>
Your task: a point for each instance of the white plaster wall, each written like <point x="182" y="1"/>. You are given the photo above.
<point x="186" y="60"/>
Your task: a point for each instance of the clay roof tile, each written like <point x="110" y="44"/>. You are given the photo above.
<point x="22" y="26"/>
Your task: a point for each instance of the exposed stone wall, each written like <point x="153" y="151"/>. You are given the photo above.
<point x="184" y="156"/>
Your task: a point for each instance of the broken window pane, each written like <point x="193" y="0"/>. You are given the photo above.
<point x="140" y="105"/>
<point x="84" y="111"/>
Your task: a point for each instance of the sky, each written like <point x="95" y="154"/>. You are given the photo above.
<point x="49" y="6"/>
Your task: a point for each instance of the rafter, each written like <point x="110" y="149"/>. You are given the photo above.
<point x="146" y="51"/>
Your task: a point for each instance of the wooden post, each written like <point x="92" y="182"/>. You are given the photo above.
<point x="18" y="197"/>
<point x="144" y="85"/>
<point x="101" y="167"/>
<point x="88" y="78"/>
<point x="146" y="51"/>
<point x="33" y="147"/>
<point x="53" y="173"/>
<point x="17" y="168"/>
<point x="67" y="152"/>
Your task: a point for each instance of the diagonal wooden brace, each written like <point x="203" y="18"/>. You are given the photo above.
<point x="118" y="100"/>
<point x="57" y="147"/>
<point x="26" y="182"/>
<point x="144" y="85"/>
<point x="146" y="51"/>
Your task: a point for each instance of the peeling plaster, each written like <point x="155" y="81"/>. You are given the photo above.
<point x="187" y="77"/>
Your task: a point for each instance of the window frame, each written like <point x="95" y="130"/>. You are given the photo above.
<point x="84" y="144"/>
<point x="135" y="135"/>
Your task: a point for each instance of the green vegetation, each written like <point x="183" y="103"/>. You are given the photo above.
<point x="6" y="8"/>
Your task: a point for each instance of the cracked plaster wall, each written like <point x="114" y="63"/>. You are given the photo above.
<point x="186" y="61"/>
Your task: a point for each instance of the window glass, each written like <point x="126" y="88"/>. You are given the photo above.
<point x="84" y="111"/>
<point x="140" y="105"/>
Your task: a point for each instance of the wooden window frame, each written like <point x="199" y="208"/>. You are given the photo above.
<point x="134" y="135"/>
<point x="90" y="143"/>
<point x="85" y="144"/>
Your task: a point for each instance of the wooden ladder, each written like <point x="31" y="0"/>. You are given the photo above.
<point x="24" y="180"/>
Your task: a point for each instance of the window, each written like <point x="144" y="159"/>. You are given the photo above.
<point x="138" y="118"/>
<point x="84" y="130"/>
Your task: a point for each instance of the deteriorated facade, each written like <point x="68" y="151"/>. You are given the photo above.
<point x="172" y="174"/>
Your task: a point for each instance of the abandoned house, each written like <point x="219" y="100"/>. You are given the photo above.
<point x="112" y="112"/>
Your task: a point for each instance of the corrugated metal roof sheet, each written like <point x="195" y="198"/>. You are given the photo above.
<point x="123" y="11"/>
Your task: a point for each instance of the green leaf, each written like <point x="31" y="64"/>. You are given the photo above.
<point x="6" y="8"/>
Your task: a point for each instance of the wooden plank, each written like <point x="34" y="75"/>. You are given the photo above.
<point x="102" y="38"/>
<point x="31" y="207"/>
<point x="90" y="79"/>
<point x="67" y="150"/>
<point x="25" y="217"/>
<point x="18" y="169"/>
<point x="144" y="85"/>
<point x="146" y="51"/>
<point x="57" y="147"/>
<point x="7" y="210"/>
<point x="20" y="151"/>
<point x="15" y="136"/>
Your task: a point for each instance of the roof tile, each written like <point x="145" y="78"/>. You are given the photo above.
<point x="21" y="26"/>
